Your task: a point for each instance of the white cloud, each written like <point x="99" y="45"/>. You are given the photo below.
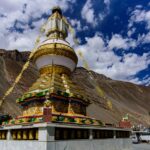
<point x="129" y="66"/>
<point x="125" y="67"/>
<point x="13" y="10"/>
<point x="91" y="49"/>
<point x="103" y="59"/>
<point x="139" y="6"/>
<point x="88" y="13"/>
<point x="76" y="23"/>
<point x="96" y="42"/>
<point x="139" y="15"/>
<point x="131" y="31"/>
<point x="144" y="38"/>
<point x="107" y="3"/>
<point x="118" y="42"/>
<point x="145" y="81"/>
<point x="9" y="6"/>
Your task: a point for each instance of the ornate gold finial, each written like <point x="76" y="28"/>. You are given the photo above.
<point x="57" y="9"/>
<point x="57" y="28"/>
<point x="47" y="103"/>
<point x="70" y="110"/>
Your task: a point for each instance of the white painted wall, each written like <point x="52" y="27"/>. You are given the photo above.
<point x="22" y="145"/>
<point x="109" y="144"/>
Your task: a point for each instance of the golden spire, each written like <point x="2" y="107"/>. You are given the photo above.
<point x="57" y="26"/>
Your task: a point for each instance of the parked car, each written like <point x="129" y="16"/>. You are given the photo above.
<point x="140" y="136"/>
<point x="135" y="137"/>
<point x="145" y="137"/>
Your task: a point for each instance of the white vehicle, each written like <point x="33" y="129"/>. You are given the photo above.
<point x="135" y="137"/>
<point x="140" y="136"/>
<point x="145" y="137"/>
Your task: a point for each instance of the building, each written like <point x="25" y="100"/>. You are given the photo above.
<point x="54" y="108"/>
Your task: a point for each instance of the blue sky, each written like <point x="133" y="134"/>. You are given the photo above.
<point x="114" y="34"/>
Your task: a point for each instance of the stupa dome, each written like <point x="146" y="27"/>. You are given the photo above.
<point x="55" y="54"/>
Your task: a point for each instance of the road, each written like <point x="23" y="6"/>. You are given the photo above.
<point x="141" y="146"/>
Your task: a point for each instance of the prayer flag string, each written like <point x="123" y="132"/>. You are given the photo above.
<point x="25" y="66"/>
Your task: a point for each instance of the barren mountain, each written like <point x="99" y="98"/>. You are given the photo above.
<point x="125" y="97"/>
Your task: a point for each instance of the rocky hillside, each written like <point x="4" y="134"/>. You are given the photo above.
<point x="125" y="97"/>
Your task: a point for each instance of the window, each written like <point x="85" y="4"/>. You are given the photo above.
<point x="122" y="134"/>
<point x="102" y="134"/>
<point x="70" y="134"/>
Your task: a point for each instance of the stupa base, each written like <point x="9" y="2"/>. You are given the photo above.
<point x="56" y="136"/>
<point x="55" y="118"/>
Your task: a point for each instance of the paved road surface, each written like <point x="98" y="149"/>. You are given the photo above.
<point x="141" y="146"/>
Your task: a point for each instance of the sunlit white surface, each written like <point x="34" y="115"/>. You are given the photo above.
<point x="55" y="60"/>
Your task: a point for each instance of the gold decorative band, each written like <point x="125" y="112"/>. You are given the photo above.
<point x="55" y="69"/>
<point x="56" y="30"/>
<point x="56" y="49"/>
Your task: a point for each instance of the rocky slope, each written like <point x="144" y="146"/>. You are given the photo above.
<point x="125" y="97"/>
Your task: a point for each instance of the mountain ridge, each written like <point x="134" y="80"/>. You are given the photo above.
<point x="125" y="97"/>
